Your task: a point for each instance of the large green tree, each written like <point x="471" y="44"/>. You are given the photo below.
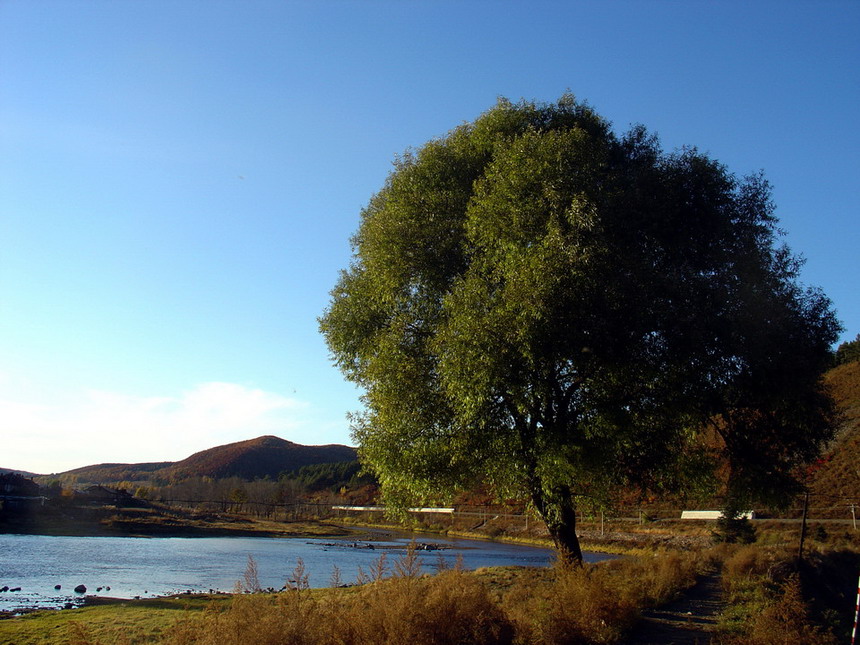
<point x="554" y="311"/>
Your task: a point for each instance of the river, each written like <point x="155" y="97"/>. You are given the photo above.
<point x="124" y="567"/>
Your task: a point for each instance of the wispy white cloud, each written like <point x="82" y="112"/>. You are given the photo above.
<point x="102" y="426"/>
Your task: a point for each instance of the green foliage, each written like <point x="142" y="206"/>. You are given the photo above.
<point x="732" y="527"/>
<point x="333" y="476"/>
<point x="551" y="310"/>
<point x="734" y="530"/>
<point x="848" y="352"/>
<point x="239" y="494"/>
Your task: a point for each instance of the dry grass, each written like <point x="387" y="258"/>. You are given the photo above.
<point x="592" y="604"/>
<point x="579" y="606"/>
<point x="744" y="580"/>
<point x="600" y="603"/>
<point x="773" y="600"/>
<point x="746" y="565"/>
<point x="785" y="620"/>
<point x="658" y="580"/>
<point x="398" y="605"/>
<point x="452" y="607"/>
<point x="838" y="477"/>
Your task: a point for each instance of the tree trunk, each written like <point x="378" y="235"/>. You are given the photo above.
<point x="559" y="513"/>
<point x="566" y="542"/>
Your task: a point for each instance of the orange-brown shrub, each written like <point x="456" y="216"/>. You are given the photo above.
<point x="653" y="581"/>
<point x="746" y="563"/>
<point x="595" y="604"/>
<point x="452" y="607"/>
<point x="786" y="621"/>
<point x="581" y="605"/>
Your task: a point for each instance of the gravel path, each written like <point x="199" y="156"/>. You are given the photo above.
<point x="690" y="620"/>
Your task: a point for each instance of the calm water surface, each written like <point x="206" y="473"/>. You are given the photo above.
<point x="148" y="567"/>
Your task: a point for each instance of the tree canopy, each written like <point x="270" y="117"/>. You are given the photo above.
<point x="556" y="311"/>
<point x="847" y="352"/>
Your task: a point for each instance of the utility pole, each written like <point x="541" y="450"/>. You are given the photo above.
<point x="853" y="516"/>
<point x="803" y="528"/>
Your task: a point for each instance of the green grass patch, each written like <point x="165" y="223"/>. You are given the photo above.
<point x="125" y="622"/>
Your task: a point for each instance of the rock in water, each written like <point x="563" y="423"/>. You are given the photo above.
<point x="80" y="589"/>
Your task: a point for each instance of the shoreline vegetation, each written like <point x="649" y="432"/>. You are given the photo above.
<point x="762" y="600"/>
<point x="158" y="520"/>
<point x="594" y="604"/>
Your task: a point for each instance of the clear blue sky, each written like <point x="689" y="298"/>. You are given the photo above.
<point x="179" y="180"/>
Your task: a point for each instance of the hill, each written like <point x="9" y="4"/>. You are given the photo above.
<point x="258" y="458"/>
<point x="12" y="471"/>
<point x="838" y="478"/>
<point x="112" y="472"/>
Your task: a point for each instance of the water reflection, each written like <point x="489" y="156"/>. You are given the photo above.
<point x="145" y="567"/>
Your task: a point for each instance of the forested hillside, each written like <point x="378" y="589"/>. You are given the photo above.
<point x="99" y="473"/>
<point x="258" y="458"/>
<point x="839" y="473"/>
<point x="266" y="456"/>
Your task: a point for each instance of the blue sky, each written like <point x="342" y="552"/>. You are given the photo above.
<point x="179" y="180"/>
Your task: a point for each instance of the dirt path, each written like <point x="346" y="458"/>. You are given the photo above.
<point x="690" y="620"/>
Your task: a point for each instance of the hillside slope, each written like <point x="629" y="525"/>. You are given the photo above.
<point x="839" y="475"/>
<point x="256" y="458"/>
<point x="7" y="471"/>
<point x="251" y="459"/>
<point x="112" y="472"/>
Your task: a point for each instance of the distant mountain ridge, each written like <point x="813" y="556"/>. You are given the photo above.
<point x="12" y="471"/>
<point x="266" y="456"/>
<point x="836" y="477"/>
<point x="260" y="457"/>
<point x="115" y="472"/>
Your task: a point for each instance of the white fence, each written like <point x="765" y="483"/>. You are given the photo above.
<point x="382" y="508"/>
<point x="713" y="515"/>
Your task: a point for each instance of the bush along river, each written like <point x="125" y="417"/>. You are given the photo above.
<point x="39" y="571"/>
